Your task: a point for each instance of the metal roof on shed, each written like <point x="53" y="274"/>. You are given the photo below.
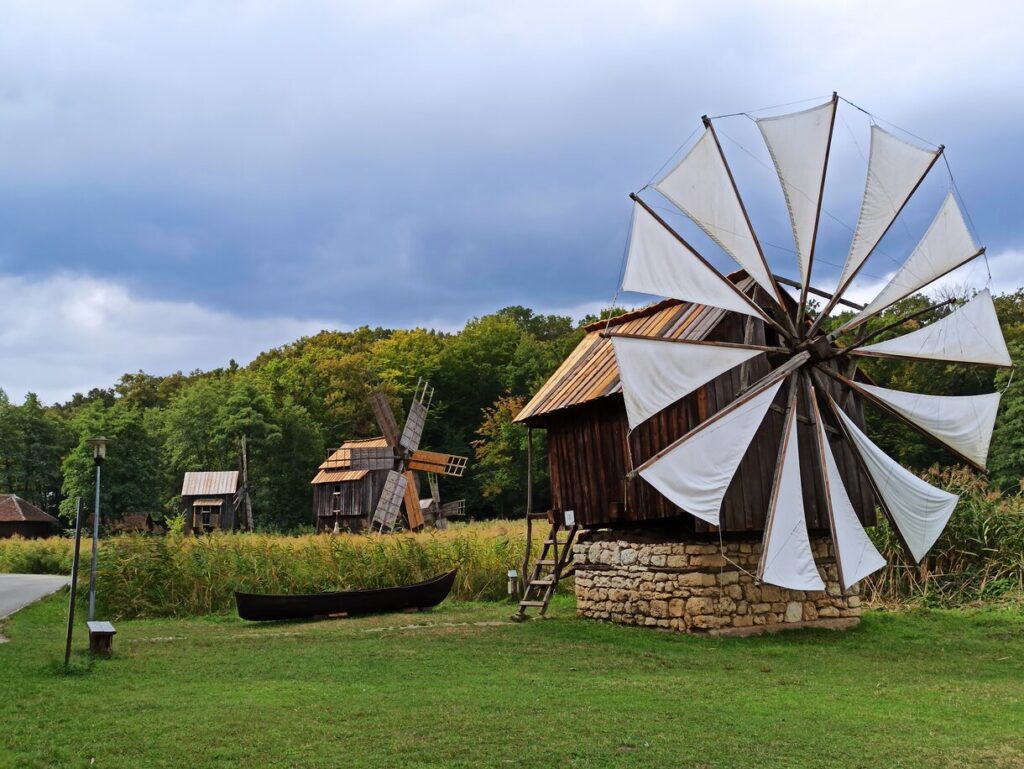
<point x="340" y="458"/>
<point x="590" y="371"/>
<point x="224" y="482"/>
<point x="14" y="509"/>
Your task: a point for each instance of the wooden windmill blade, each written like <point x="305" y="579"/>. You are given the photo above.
<point x="696" y="470"/>
<point x="385" y="516"/>
<point x="438" y="462"/>
<point x="412" y="434"/>
<point x="385" y="417"/>
<point x="435" y="491"/>
<point x="413" y="513"/>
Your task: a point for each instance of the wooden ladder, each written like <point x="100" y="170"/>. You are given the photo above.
<point x="549" y="568"/>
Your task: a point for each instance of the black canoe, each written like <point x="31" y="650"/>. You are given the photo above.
<point x="421" y="595"/>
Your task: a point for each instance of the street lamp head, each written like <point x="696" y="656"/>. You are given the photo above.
<point x="99" y="449"/>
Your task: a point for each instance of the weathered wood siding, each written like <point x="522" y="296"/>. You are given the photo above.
<point x="358" y="500"/>
<point x="229" y="516"/>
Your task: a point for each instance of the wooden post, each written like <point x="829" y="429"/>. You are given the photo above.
<point x="529" y="507"/>
<point x="249" y="524"/>
<point x="74" y="579"/>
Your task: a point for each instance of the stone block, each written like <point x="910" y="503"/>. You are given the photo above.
<point x="794" y="611"/>
<point x="695" y="606"/>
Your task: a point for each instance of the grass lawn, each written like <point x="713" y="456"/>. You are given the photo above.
<point x="461" y="687"/>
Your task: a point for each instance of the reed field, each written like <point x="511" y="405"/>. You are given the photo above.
<point x="979" y="558"/>
<point x="154" y="576"/>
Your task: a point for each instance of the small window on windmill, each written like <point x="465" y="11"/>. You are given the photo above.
<point x="336" y="499"/>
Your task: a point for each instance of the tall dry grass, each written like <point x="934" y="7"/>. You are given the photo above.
<point x="979" y="557"/>
<point x="146" y="576"/>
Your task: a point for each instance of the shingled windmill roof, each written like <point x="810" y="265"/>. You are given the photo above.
<point x="14" y="509"/>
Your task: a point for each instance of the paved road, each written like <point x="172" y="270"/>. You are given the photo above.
<point x="19" y="590"/>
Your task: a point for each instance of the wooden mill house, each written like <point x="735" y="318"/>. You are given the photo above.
<point x="344" y="498"/>
<point x="211" y="501"/>
<point x="631" y="535"/>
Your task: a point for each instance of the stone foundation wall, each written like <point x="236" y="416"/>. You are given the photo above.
<point x="689" y="586"/>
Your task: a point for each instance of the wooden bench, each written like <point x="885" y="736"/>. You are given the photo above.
<point x="101" y="637"/>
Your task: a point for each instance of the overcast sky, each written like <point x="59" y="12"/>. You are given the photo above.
<point x="185" y="183"/>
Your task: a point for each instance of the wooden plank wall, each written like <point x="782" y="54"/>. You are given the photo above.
<point x="358" y="500"/>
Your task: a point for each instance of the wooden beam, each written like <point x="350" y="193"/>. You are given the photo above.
<point x="858" y="457"/>
<point x="817" y="292"/>
<point x="817" y="217"/>
<point x="788" y="430"/>
<point x="699" y="342"/>
<point x="890" y="410"/>
<point x="865" y="338"/>
<point x="841" y="288"/>
<point x="854" y="322"/>
<point x="750" y="227"/>
<point x="755" y="389"/>
<point x="766" y="317"/>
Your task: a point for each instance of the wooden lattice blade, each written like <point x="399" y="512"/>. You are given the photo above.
<point x="386" y="513"/>
<point x="385" y="417"/>
<point x="413" y="431"/>
<point x="438" y="462"/>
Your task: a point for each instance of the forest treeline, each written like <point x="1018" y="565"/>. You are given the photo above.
<point x="295" y="402"/>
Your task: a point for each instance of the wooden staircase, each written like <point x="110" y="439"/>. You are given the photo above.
<point x="555" y="561"/>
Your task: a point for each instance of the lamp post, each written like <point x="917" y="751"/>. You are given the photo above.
<point x="99" y="453"/>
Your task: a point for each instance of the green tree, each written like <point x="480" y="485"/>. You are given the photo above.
<point x="130" y="474"/>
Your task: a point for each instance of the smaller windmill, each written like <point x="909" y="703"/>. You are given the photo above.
<point x="402" y="457"/>
<point x="435" y="513"/>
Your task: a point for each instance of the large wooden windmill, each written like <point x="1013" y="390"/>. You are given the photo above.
<point x="365" y="483"/>
<point x="725" y="409"/>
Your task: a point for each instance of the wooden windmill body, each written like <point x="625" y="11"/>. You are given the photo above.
<point x="729" y="411"/>
<point x="366" y="484"/>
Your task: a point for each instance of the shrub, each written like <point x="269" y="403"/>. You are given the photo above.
<point x="36" y="556"/>
<point x="979" y="557"/>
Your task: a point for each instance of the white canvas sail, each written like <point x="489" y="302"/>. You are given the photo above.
<point x="656" y="374"/>
<point x="798" y="143"/>
<point x="971" y="334"/>
<point x="945" y="246"/>
<point x="701" y="187"/>
<point x="696" y="474"/>
<point x="962" y="422"/>
<point x="895" y="168"/>
<point x="787" y="560"/>
<point x="919" y="510"/>
<point x="659" y="264"/>
<point x="856" y="555"/>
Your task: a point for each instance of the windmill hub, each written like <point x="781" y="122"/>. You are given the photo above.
<point x="820" y="349"/>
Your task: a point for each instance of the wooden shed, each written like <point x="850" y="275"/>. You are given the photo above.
<point x="591" y="451"/>
<point x="22" y="518"/>
<point x="210" y="500"/>
<point x="343" y="498"/>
